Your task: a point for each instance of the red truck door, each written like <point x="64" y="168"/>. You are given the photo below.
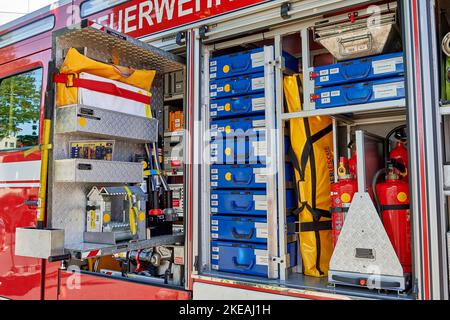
<point x="22" y="84"/>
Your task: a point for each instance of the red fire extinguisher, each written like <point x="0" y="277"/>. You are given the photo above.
<point x="393" y="201"/>
<point x="342" y="193"/>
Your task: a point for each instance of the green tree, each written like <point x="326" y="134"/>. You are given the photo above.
<point x="20" y="98"/>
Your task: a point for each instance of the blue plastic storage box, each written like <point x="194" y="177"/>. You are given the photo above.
<point x="245" y="258"/>
<point x="244" y="229"/>
<point x="244" y="62"/>
<point x="238" y="127"/>
<point x="364" y="69"/>
<point x="237" y="86"/>
<point x="238" y="106"/>
<point x="251" y="176"/>
<point x="360" y="93"/>
<point x="248" y="202"/>
<point x="241" y="150"/>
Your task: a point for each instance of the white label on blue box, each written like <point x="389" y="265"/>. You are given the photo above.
<point x="258" y="104"/>
<point x="259" y="123"/>
<point x="215" y="267"/>
<point x="213" y="94"/>
<point x="213" y="75"/>
<point x="214" y="86"/>
<point x="334" y="71"/>
<point x="324" y="72"/>
<point x="214" y="184"/>
<point x="214" y="210"/>
<point x="325" y="100"/>
<point x="335" y="93"/>
<point x="213" y="69"/>
<point x="261" y="230"/>
<point x="214" y="222"/>
<point x="213" y="105"/>
<point x="260" y="202"/>
<point x="257" y="59"/>
<point x="386" y="66"/>
<point x="214" y="236"/>
<point x="220" y="89"/>
<point x="215" y="257"/>
<point x="213" y="63"/>
<point x="387" y="90"/>
<point x="262" y="257"/>
<point x="324" y="78"/>
<point x="213" y="113"/>
<point x="214" y="196"/>
<point x="258" y="83"/>
<point x="214" y="228"/>
<point x="214" y="171"/>
<point x="325" y="94"/>
<point x="215" y="249"/>
<point x="215" y="177"/>
<point x="215" y="203"/>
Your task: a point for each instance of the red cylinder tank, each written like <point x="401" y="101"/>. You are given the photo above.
<point x="393" y="197"/>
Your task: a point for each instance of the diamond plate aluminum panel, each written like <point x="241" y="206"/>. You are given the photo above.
<point x="106" y="124"/>
<point x="98" y="171"/>
<point x="107" y="47"/>
<point x="363" y="229"/>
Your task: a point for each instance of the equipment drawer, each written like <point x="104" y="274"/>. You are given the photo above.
<point x="245" y="258"/>
<point x="235" y="86"/>
<point x="359" y="93"/>
<point x="242" y="150"/>
<point x="238" y="127"/>
<point x="244" y="62"/>
<point x="244" y="229"/>
<point x="365" y="69"/>
<point x="237" y="106"/>
<point x="248" y="202"/>
<point x="244" y="176"/>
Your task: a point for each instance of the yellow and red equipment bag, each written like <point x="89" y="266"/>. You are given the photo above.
<point x="85" y="81"/>
<point x="312" y="156"/>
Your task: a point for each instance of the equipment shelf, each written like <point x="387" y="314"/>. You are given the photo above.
<point x="85" y="250"/>
<point x="98" y="171"/>
<point x="86" y="120"/>
<point x="359" y="109"/>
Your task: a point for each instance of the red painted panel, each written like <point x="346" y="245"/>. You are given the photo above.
<point x="75" y="286"/>
<point x="140" y="18"/>
<point x="20" y="277"/>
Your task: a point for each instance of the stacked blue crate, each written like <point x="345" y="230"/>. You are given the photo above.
<point x="238" y="171"/>
<point x="371" y="79"/>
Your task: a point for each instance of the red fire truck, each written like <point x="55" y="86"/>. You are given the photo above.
<point x="186" y="36"/>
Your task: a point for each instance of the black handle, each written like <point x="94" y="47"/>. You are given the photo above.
<point x="237" y="235"/>
<point x="60" y="257"/>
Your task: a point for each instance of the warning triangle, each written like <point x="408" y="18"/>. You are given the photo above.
<point x="363" y="245"/>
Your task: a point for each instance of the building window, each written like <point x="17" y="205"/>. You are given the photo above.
<point x="20" y="105"/>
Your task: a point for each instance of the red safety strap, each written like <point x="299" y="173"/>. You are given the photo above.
<point x="100" y="86"/>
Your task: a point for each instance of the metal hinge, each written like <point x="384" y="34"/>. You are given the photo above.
<point x="285" y="8"/>
<point x="181" y="38"/>
<point x="202" y="32"/>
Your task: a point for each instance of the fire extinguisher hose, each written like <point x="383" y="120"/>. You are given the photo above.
<point x="375" y="179"/>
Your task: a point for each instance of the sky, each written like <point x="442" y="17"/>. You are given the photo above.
<point x="12" y="9"/>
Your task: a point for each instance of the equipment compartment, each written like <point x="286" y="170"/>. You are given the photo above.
<point x="237" y="106"/>
<point x="244" y="176"/>
<point x="364" y="69"/>
<point x="250" y="259"/>
<point x="235" y="86"/>
<point x="249" y="202"/>
<point x="237" y="127"/>
<point x="359" y="93"/>
<point x="84" y="120"/>
<point x="244" y="229"/>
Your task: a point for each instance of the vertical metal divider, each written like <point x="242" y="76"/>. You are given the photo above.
<point x="280" y="158"/>
<point x="308" y="84"/>
<point x="335" y="150"/>
<point x="272" y="207"/>
<point x="361" y="161"/>
<point x="204" y="142"/>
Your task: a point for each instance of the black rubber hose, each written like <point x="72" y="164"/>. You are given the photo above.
<point x="375" y="179"/>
